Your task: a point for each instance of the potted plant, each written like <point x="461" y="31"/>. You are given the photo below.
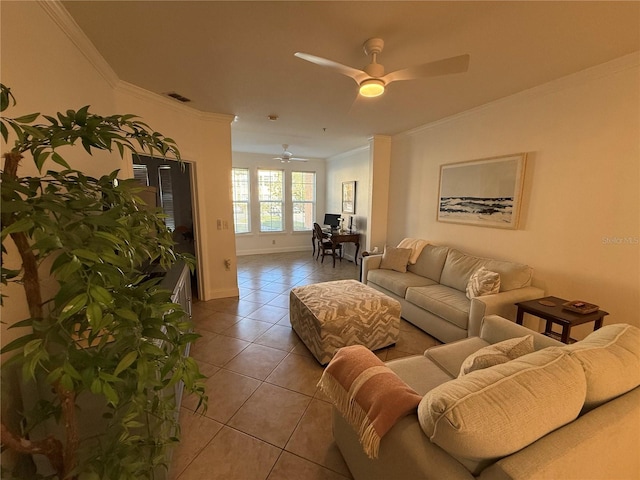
<point x="107" y="333"/>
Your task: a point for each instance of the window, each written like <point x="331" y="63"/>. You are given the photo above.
<point x="166" y="195"/>
<point x="141" y="174"/>
<point x="241" y="195"/>
<point x="271" y="200"/>
<point x="303" y="197"/>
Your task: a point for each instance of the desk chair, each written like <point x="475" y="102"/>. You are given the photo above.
<point x="326" y="246"/>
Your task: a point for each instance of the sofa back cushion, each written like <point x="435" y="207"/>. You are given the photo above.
<point x="497" y="411"/>
<point x="458" y="268"/>
<point x="610" y="358"/>
<point x="430" y="262"/>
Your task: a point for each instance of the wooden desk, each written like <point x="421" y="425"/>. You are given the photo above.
<point x="559" y="316"/>
<point x="345" y="237"/>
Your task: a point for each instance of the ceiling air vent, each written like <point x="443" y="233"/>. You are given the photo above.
<point x="178" y="97"/>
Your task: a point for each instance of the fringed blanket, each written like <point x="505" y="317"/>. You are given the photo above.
<point x="416" y="245"/>
<point x="369" y="395"/>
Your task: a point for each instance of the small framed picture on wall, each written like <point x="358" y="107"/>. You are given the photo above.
<point x="349" y="197"/>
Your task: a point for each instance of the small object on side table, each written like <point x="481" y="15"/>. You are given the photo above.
<point x="580" y="307"/>
<point x="558" y="314"/>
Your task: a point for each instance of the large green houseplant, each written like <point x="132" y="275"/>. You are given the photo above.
<point x="107" y="330"/>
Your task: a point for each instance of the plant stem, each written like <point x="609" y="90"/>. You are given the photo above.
<point x="30" y="277"/>
<point x="49" y="447"/>
<point x="68" y="404"/>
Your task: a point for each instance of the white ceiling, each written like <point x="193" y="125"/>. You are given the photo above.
<point x="236" y="57"/>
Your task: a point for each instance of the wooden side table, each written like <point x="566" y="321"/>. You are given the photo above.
<point x="558" y="315"/>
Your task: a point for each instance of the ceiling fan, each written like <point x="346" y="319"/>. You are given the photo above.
<point x="372" y="80"/>
<point x="287" y="156"/>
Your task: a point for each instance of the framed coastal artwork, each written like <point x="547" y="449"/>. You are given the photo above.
<point x="349" y="197"/>
<point x="486" y="192"/>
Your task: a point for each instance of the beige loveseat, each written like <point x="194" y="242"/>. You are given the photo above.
<point x="561" y="412"/>
<point x="432" y="292"/>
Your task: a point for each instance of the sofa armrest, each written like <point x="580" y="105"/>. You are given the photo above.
<point x="370" y="262"/>
<point x="495" y="328"/>
<point x="502" y="304"/>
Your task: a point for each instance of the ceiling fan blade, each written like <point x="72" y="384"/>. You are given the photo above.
<point x="447" y="66"/>
<point x="358" y="75"/>
<point x="298" y="159"/>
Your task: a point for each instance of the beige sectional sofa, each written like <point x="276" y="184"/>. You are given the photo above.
<point x="560" y="412"/>
<point x="432" y="292"/>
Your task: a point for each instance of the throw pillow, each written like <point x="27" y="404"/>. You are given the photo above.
<point x="497" y="353"/>
<point x="395" y="259"/>
<point x="483" y="282"/>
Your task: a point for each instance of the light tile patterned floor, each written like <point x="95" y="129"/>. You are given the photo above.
<point x="266" y="418"/>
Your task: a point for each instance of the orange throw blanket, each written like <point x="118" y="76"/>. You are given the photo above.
<point x="369" y="395"/>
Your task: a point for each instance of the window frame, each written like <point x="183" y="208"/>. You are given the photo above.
<point x="274" y="202"/>
<point x="295" y="202"/>
<point x="246" y="202"/>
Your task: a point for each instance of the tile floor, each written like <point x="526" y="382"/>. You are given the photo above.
<point x="266" y="418"/>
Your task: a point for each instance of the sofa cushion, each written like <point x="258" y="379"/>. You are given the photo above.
<point x="497" y="411"/>
<point x="459" y="267"/>
<point x="449" y="356"/>
<point x="512" y="275"/>
<point x="430" y="262"/>
<point x="497" y="353"/>
<point x="610" y="358"/>
<point x="483" y="282"/>
<point x="397" y="282"/>
<point x="442" y="301"/>
<point x="395" y="259"/>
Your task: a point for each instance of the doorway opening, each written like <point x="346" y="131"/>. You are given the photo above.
<point x="170" y="187"/>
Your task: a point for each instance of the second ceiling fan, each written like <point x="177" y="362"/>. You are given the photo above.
<point x="286" y="156"/>
<point x="372" y="79"/>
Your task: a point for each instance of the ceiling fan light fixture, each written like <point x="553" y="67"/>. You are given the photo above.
<point x="372" y="87"/>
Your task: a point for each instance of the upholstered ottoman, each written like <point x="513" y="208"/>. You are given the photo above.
<point x="331" y="315"/>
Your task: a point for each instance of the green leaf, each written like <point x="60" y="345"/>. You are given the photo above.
<point x="20" y="226"/>
<point x="127" y="314"/>
<point x="100" y="294"/>
<point x="22" y="323"/>
<point x="33" y="131"/>
<point x="27" y="118"/>
<point x="5" y="132"/>
<point x="17" y="343"/>
<point x="81" y="115"/>
<point x="110" y="393"/>
<point x="94" y="315"/>
<point x="86" y="254"/>
<point x="76" y="304"/>
<point x="126" y="362"/>
<point x="59" y="160"/>
<point x="67" y="382"/>
<point x="32" y="346"/>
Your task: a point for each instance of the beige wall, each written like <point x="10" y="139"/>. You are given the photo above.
<point x="287" y="241"/>
<point x="51" y="69"/>
<point x="347" y="167"/>
<point x="581" y="208"/>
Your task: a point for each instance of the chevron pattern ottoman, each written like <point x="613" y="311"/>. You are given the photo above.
<point x="331" y="315"/>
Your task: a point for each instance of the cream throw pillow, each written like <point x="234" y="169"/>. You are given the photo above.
<point x="395" y="259"/>
<point x="483" y="282"/>
<point x="497" y="411"/>
<point x="497" y="353"/>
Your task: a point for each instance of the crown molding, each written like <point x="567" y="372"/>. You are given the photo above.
<point x="353" y="151"/>
<point x="620" y="64"/>
<point x="127" y="88"/>
<point x="72" y="30"/>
